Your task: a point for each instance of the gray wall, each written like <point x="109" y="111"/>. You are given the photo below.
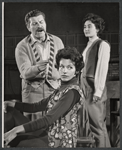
<point x="63" y="20"/>
<point x="60" y="17"/>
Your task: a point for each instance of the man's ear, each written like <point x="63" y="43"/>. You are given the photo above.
<point x="28" y="27"/>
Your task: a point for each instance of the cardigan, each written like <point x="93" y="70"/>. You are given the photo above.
<point x="27" y="65"/>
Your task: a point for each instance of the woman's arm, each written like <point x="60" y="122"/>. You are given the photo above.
<point x="10" y="135"/>
<point x="32" y="107"/>
<point x="63" y="105"/>
<point x="8" y="104"/>
<point x="102" y="68"/>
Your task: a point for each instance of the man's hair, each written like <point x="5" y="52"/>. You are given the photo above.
<point x="33" y="13"/>
<point x="72" y="54"/>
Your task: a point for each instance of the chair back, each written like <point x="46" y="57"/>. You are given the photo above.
<point x="85" y="135"/>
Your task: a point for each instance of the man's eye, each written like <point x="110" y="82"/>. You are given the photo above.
<point x="34" y="23"/>
<point x="41" y="22"/>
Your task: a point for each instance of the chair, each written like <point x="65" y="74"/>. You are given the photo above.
<point x="113" y="94"/>
<point x="85" y="136"/>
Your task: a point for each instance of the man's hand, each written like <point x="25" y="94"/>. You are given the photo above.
<point x="95" y="99"/>
<point x="8" y="103"/>
<point x="42" y="65"/>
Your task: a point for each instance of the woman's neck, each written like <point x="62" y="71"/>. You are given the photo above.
<point x="93" y="38"/>
<point x="69" y="81"/>
<point x="64" y="84"/>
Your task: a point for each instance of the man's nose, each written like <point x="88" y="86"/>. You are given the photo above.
<point x="39" y="25"/>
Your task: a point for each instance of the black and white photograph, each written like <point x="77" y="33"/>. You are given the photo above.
<point x="61" y="74"/>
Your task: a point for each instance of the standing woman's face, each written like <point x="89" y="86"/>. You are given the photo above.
<point x="67" y="69"/>
<point x="90" y="29"/>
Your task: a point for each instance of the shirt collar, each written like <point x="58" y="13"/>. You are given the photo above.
<point x="92" y="40"/>
<point x="35" y="40"/>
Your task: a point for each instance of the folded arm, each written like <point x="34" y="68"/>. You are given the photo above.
<point x="32" y="107"/>
<point x="27" y="107"/>
<point x="63" y="105"/>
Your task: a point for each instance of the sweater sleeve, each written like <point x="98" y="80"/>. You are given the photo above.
<point x="63" y="105"/>
<point x="23" y="62"/>
<point x="27" y="70"/>
<point x="32" y="107"/>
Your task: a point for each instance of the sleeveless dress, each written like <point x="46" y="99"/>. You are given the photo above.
<point x="63" y="133"/>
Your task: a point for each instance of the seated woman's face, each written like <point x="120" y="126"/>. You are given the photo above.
<point x="67" y="69"/>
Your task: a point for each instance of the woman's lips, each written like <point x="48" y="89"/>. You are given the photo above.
<point x="64" y="76"/>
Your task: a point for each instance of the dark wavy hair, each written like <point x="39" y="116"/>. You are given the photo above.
<point x="96" y="20"/>
<point x="72" y="54"/>
<point x="33" y="13"/>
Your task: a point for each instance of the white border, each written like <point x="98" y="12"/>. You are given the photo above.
<point x="2" y="71"/>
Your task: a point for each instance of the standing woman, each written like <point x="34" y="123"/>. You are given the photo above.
<point x="93" y="79"/>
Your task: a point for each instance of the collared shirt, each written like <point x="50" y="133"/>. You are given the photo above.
<point x="102" y="65"/>
<point x="87" y="47"/>
<point x="42" y="47"/>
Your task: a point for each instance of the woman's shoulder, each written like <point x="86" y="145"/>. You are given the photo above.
<point x="105" y="43"/>
<point x="74" y="89"/>
<point x="104" y="47"/>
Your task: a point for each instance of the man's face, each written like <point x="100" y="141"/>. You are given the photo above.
<point x="37" y="27"/>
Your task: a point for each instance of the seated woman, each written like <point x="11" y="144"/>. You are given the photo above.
<point x="60" y="120"/>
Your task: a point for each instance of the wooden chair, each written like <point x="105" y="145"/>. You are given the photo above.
<point x="85" y="136"/>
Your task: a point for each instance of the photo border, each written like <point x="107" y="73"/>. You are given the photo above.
<point x="120" y="58"/>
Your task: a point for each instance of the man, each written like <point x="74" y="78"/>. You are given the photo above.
<point x="35" y="57"/>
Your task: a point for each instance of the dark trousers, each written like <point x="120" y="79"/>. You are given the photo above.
<point x="14" y="118"/>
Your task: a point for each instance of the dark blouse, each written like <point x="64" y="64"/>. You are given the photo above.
<point x="66" y="102"/>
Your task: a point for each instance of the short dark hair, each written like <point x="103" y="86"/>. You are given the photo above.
<point x="33" y="13"/>
<point x="72" y="54"/>
<point x="96" y="20"/>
